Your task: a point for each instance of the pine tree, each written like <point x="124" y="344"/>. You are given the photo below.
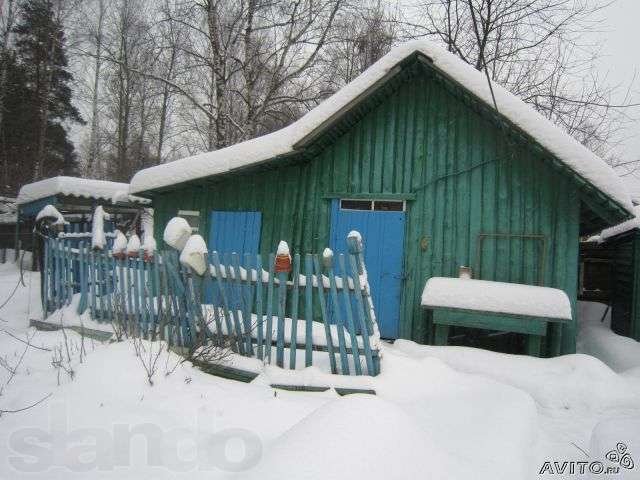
<point x="44" y="97"/>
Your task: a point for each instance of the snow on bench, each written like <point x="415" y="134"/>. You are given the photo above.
<point x="496" y="297"/>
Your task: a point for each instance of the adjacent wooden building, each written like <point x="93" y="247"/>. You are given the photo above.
<point x="610" y="273"/>
<point x="431" y="166"/>
<point x="75" y="198"/>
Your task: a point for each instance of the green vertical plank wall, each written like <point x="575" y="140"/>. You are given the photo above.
<point x="462" y="173"/>
<point x="625" y="291"/>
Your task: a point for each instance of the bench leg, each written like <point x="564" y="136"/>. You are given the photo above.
<point x="555" y="339"/>
<point x="441" y="335"/>
<point x="534" y="343"/>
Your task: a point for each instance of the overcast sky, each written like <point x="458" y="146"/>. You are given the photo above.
<point x="620" y="40"/>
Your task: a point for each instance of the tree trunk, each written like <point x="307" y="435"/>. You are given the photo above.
<point x="93" y="136"/>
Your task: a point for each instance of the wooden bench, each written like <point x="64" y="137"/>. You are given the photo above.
<point x="497" y="306"/>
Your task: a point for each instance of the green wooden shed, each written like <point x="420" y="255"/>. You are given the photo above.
<point x="433" y="167"/>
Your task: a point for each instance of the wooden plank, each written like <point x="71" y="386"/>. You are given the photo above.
<point x="236" y="298"/>
<point x="68" y="272"/>
<point x="169" y="307"/>
<point x="259" y="318"/>
<point x="295" y="299"/>
<point x="349" y="314"/>
<point x="534" y="344"/>
<point x="327" y="261"/>
<point x="282" y="302"/>
<point x="248" y="305"/>
<point x="108" y="283"/>
<point x="82" y="304"/>
<point x="128" y="268"/>
<point x="269" y="332"/>
<point x="144" y="294"/>
<point x="371" y="366"/>
<point x="441" y="336"/>
<point x="46" y="275"/>
<point x="489" y="322"/>
<point x="308" y="310"/>
<point x="325" y="317"/>
<point x="234" y="344"/>
<point x="157" y="297"/>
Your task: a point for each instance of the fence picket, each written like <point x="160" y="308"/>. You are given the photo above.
<point x="225" y="303"/>
<point x="259" y="318"/>
<point x="361" y="315"/>
<point x="327" y="260"/>
<point x="282" y="301"/>
<point x="45" y="275"/>
<point x="143" y="292"/>
<point x="156" y="298"/>
<point x="108" y="284"/>
<point x="233" y="266"/>
<point x="355" y="349"/>
<point x="308" y="310"/>
<point x="325" y="318"/>
<point x="293" y="341"/>
<point x="247" y="304"/>
<point x="269" y="333"/>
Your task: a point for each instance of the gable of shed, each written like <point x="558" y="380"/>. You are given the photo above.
<point x="597" y="209"/>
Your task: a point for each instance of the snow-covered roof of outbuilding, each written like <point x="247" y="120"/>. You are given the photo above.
<point x="78" y="187"/>
<point x="570" y="152"/>
<point x="619" y="229"/>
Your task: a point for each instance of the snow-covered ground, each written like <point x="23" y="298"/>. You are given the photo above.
<point x="439" y="412"/>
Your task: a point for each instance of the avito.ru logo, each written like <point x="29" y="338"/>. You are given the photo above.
<point x="618" y="457"/>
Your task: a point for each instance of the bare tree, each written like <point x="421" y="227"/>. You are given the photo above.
<point x="365" y="33"/>
<point x="92" y="153"/>
<point x="7" y="20"/>
<point x="535" y="49"/>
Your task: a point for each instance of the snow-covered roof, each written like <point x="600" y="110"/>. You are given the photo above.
<point x="78" y="187"/>
<point x="498" y="297"/>
<point x="619" y="229"/>
<point x="282" y="142"/>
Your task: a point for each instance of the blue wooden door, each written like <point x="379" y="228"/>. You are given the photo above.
<point x="237" y="232"/>
<point x="383" y="236"/>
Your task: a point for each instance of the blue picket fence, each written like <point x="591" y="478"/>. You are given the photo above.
<point x="317" y="311"/>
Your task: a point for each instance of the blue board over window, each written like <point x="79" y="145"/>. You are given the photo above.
<point x="383" y="236"/>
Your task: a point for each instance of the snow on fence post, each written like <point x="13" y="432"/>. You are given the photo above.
<point x="282" y="268"/>
<point x="98" y="238"/>
<point x="327" y="261"/>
